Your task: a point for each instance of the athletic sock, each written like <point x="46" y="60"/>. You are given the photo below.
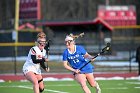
<point x="98" y="90"/>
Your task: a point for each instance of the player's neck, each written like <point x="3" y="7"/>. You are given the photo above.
<point x="72" y="49"/>
<point x="41" y="48"/>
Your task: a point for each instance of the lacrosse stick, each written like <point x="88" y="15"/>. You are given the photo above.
<point x="47" y="47"/>
<point x="105" y="49"/>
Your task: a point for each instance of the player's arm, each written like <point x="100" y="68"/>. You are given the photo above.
<point x="46" y="62"/>
<point x="65" y="63"/>
<point x="46" y="59"/>
<point x="42" y="64"/>
<point x="88" y="56"/>
<point x="36" y="60"/>
<point x="85" y="53"/>
<point x="41" y="61"/>
<point x="47" y="67"/>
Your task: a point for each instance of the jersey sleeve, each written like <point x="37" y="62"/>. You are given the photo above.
<point x="34" y="57"/>
<point x="65" y="54"/>
<point x="32" y="51"/>
<point x="82" y="49"/>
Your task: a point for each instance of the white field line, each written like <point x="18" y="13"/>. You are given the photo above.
<point x="138" y="83"/>
<point x="136" y="87"/>
<point x="118" y="88"/>
<point x="53" y="91"/>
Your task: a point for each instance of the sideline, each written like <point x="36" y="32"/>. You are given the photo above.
<point x="69" y="76"/>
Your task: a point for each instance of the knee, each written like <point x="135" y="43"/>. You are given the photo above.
<point x="40" y="80"/>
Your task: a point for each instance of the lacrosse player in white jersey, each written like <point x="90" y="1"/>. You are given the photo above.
<point x="36" y="58"/>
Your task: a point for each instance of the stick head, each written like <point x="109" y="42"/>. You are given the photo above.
<point x="106" y="49"/>
<point x="47" y="47"/>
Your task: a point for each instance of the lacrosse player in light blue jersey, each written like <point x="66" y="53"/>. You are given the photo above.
<point x="74" y="57"/>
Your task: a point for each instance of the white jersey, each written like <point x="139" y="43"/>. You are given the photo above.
<point x="29" y="65"/>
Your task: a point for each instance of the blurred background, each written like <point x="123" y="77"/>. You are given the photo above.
<point x="102" y="21"/>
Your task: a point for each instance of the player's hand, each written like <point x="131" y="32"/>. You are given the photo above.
<point x="47" y="69"/>
<point x="46" y="59"/>
<point x="92" y="60"/>
<point x="77" y="71"/>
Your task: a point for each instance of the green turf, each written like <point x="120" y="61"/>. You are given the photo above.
<point x="107" y="86"/>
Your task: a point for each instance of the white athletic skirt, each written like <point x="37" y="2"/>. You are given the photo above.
<point x="28" y="66"/>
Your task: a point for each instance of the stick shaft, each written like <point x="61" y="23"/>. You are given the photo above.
<point x="90" y="60"/>
<point x="47" y="49"/>
<point x="47" y="58"/>
<point x="102" y="51"/>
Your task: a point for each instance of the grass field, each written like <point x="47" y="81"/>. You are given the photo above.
<point x="107" y="86"/>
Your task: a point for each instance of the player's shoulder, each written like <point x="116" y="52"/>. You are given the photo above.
<point x="35" y="48"/>
<point x="79" y="46"/>
<point x="65" y="50"/>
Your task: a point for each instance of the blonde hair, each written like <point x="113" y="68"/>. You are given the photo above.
<point x="41" y="35"/>
<point x="73" y="37"/>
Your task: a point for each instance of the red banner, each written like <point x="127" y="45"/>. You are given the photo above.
<point x="118" y="15"/>
<point x="29" y="9"/>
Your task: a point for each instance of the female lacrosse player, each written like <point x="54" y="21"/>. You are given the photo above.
<point x="36" y="58"/>
<point x="74" y="57"/>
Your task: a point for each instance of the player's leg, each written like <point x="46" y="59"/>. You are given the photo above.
<point x="32" y="78"/>
<point x="92" y="82"/>
<point x="40" y="82"/>
<point x="81" y="79"/>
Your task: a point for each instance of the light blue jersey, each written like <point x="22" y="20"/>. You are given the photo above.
<point x="77" y="60"/>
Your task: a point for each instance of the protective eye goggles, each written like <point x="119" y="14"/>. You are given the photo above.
<point x="42" y="42"/>
<point x="69" y="41"/>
